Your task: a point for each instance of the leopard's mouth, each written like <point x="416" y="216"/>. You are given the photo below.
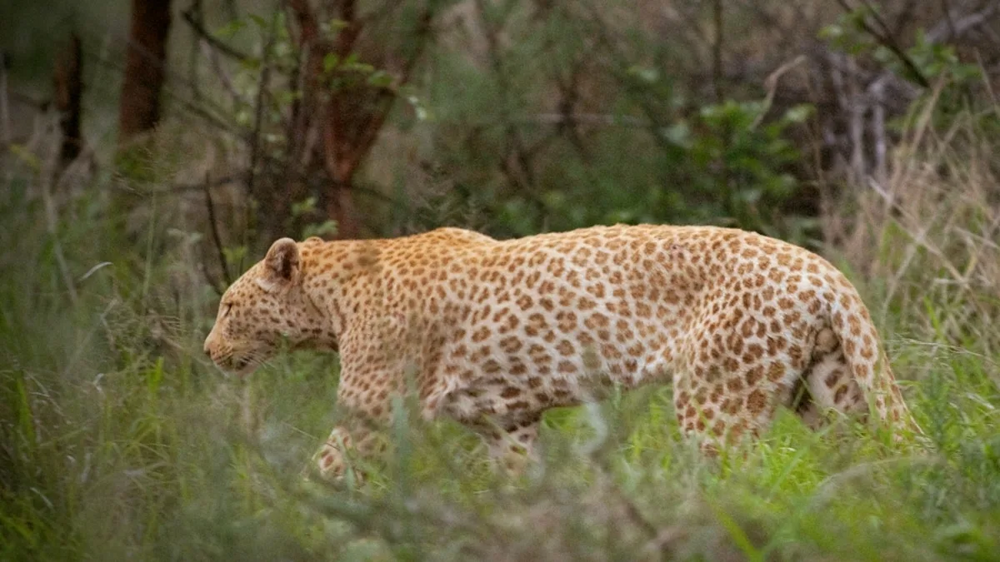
<point x="241" y="366"/>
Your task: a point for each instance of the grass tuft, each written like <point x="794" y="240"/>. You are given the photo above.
<point x="118" y="439"/>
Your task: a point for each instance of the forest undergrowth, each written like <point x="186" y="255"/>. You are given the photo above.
<point x="119" y="440"/>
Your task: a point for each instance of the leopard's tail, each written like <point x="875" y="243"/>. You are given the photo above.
<point x="850" y="371"/>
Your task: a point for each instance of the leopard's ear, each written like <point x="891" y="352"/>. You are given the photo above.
<point x="281" y="265"/>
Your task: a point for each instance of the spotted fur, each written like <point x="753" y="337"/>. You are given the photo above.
<point x="493" y="333"/>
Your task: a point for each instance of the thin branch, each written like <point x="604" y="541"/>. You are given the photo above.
<point x="215" y="233"/>
<point x="388" y="97"/>
<point x="254" y="140"/>
<point x="220" y="71"/>
<point x="946" y="8"/>
<point x="771" y="83"/>
<point x="212" y="40"/>
<point x="187" y="187"/>
<point x="886" y="39"/>
<point x="4" y="107"/>
<point x="621" y="61"/>
<point x="52" y="222"/>
<point x="525" y="179"/>
<point x="569" y="95"/>
<point x="186" y="104"/>
<point x="197" y="13"/>
<point x="955" y="26"/>
<point x="717" y="52"/>
<point x="214" y="283"/>
<point x="906" y="14"/>
<point x="877" y="92"/>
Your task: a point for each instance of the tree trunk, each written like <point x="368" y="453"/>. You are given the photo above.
<point x="68" y="82"/>
<point x="145" y="68"/>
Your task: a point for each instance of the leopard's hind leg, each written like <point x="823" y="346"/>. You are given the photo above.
<point x="827" y="385"/>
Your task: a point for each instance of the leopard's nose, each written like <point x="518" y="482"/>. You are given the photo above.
<point x="207" y="349"/>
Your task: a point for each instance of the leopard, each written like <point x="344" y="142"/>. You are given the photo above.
<point x="493" y="333"/>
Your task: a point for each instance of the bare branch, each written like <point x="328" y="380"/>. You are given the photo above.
<point x="254" y="140"/>
<point x="220" y="71"/>
<point x="215" y="233"/>
<point x="190" y="187"/>
<point x="4" y="107"/>
<point x="717" y="52"/>
<point x="955" y="26"/>
<point x="521" y="175"/>
<point x="771" y="83"/>
<point x="196" y="26"/>
<point x="47" y="174"/>
<point x="886" y="39"/>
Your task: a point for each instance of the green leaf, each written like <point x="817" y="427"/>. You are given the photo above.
<point x="234" y="254"/>
<point x="231" y="28"/>
<point x="361" y="67"/>
<point x="330" y="62"/>
<point x="261" y="22"/>
<point x="327" y="228"/>
<point x="303" y="207"/>
<point x="679" y="133"/>
<point x="418" y="108"/>
<point x="799" y="113"/>
<point x="26" y="156"/>
<point x="831" y="32"/>
<point x="380" y="79"/>
<point x="154" y="377"/>
<point x="646" y="74"/>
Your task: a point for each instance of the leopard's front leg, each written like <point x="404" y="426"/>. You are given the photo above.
<point x="366" y="397"/>
<point x="376" y="366"/>
<point x="511" y="441"/>
<point x="343" y="445"/>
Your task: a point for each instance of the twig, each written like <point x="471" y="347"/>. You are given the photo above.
<point x="101" y="61"/>
<point x="877" y="93"/>
<point x="185" y="187"/>
<point x="220" y="70"/>
<point x="946" y="8"/>
<point x="37" y="104"/>
<point x="717" y="52"/>
<point x="569" y="94"/>
<point x="254" y="141"/>
<point x="4" y="107"/>
<point x="198" y="13"/>
<point x="387" y="97"/>
<point x="856" y="126"/>
<point x="771" y="83"/>
<point x="954" y="26"/>
<point x="522" y="177"/>
<point x="223" y="124"/>
<point x="563" y="118"/>
<point x="68" y="82"/>
<point x="886" y="39"/>
<point x="215" y="233"/>
<point x="211" y="39"/>
<point x="214" y="283"/>
<point x="52" y="223"/>
<point x="620" y="60"/>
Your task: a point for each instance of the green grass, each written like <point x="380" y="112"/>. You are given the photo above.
<point x="119" y="441"/>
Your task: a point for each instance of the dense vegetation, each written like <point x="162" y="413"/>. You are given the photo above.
<point x="119" y="440"/>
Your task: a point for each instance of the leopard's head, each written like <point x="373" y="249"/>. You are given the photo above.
<point x="263" y="307"/>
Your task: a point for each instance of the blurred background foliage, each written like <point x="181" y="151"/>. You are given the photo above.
<point x="150" y="151"/>
<point x="356" y="118"/>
